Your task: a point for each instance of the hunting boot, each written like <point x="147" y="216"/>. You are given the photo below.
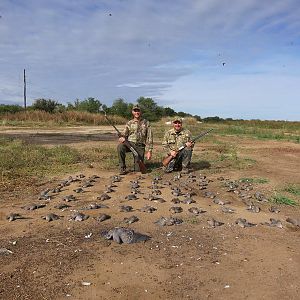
<point x="185" y="170"/>
<point x="123" y="171"/>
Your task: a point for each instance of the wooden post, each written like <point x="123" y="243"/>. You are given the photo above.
<point x="24" y="90"/>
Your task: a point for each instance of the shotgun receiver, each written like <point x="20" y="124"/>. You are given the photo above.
<point x="136" y="155"/>
<point x="169" y="161"/>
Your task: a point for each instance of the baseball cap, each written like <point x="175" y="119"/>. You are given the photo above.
<point x="177" y="119"/>
<point x="136" y="106"/>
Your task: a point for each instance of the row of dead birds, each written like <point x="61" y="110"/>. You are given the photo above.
<point x="202" y="182"/>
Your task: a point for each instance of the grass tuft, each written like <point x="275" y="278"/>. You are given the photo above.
<point x="293" y="189"/>
<point x="253" y="180"/>
<point x="281" y="199"/>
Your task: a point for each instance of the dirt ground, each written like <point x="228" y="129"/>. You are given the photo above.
<point x="67" y="259"/>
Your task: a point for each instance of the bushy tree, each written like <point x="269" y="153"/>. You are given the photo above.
<point x="6" y="108"/>
<point x="121" y="108"/>
<point x="90" y="104"/>
<point x="169" y="112"/>
<point x="47" y="105"/>
<point x="151" y="111"/>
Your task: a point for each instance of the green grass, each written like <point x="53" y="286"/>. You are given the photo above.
<point x="293" y="189"/>
<point x="20" y="158"/>
<point x="281" y="199"/>
<point x="254" y="180"/>
<point x="106" y="156"/>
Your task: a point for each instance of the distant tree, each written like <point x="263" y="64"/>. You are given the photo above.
<point x="121" y="108"/>
<point x="90" y="104"/>
<point x="6" y="108"/>
<point x="47" y="105"/>
<point x="183" y="114"/>
<point x="213" y="119"/>
<point x="60" y="108"/>
<point x="198" y="118"/>
<point x="169" y="112"/>
<point x="151" y="111"/>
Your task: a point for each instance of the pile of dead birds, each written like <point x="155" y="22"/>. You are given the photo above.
<point x="184" y="190"/>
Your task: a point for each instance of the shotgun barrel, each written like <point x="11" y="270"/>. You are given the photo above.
<point x="136" y="155"/>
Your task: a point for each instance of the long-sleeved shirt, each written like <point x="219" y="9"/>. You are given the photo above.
<point x="174" y="140"/>
<point x="139" y="132"/>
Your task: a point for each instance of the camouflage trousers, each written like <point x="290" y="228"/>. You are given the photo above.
<point x="182" y="160"/>
<point x="122" y="150"/>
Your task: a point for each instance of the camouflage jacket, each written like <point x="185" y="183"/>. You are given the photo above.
<point x="174" y="140"/>
<point x="139" y="132"/>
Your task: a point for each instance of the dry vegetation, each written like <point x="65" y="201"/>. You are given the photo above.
<point x="42" y="118"/>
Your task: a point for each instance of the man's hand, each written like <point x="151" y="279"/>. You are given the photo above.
<point x="148" y="155"/>
<point x="173" y="153"/>
<point x="121" y="140"/>
<point x="189" y="144"/>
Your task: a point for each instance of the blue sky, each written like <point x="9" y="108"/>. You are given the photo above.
<point x="227" y="58"/>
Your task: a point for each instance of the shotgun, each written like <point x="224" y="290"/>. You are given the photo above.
<point x="169" y="161"/>
<point x="136" y="155"/>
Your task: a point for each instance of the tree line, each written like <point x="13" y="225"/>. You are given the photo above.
<point x="151" y="110"/>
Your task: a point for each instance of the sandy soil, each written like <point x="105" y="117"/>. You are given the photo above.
<point x="67" y="259"/>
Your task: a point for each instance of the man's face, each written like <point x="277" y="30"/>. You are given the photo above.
<point x="177" y="125"/>
<point x="136" y="113"/>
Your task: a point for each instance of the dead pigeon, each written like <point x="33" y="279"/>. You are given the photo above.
<point x="244" y="223"/>
<point x="131" y="197"/>
<point x="221" y="202"/>
<point x="103" y="197"/>
<point x="125" y="208"/>
<point x="116" y="178"/>
<point x="208" y="194"/>
<point x="109" y="189"/>
<point x="86" y="184"/>
<point x="274" y="209"/>
<point x="227" y="210"/>
<point x="51" y="217"/>
<point x="175" y="209"/>
<point x="260" y="197"/>
<point x="62" y="206"/>
<point x="33" y="206"/>
<point x="148" y="209"/>
<point x="77" y="216"/>
<point x="295" y="222"/>
<point x="13" y="216"/>
<point x="163" y="221"/>
<point x="125" y="235"/>
<point x="214" y="223"/>
<point x="196" y="211"/>
<point x="253" y="208"/>
<point x="56" y="190"/>
<point x="4" y="251"/>
<point x="69" y="198"/>
<point x="95" y="206"/>
<point x="188" y="201"/>
<point x="156" y="192"/>
<point x="102" y="217"/>
<point x="273" y="223"/>
<point x="79" y="190"/>
<point x="176" y="192"/>
<point x="175" y="201"/>
<point x="131" y="219"/>
<point x="135" y="184"/>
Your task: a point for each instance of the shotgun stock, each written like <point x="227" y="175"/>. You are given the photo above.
<point x="136" y="155"/>
<point x="169" y="161"/>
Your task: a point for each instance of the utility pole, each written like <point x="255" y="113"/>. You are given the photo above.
<point x="24" y="89"/>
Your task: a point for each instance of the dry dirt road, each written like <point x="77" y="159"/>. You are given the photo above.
<point x="67" y="259"/>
